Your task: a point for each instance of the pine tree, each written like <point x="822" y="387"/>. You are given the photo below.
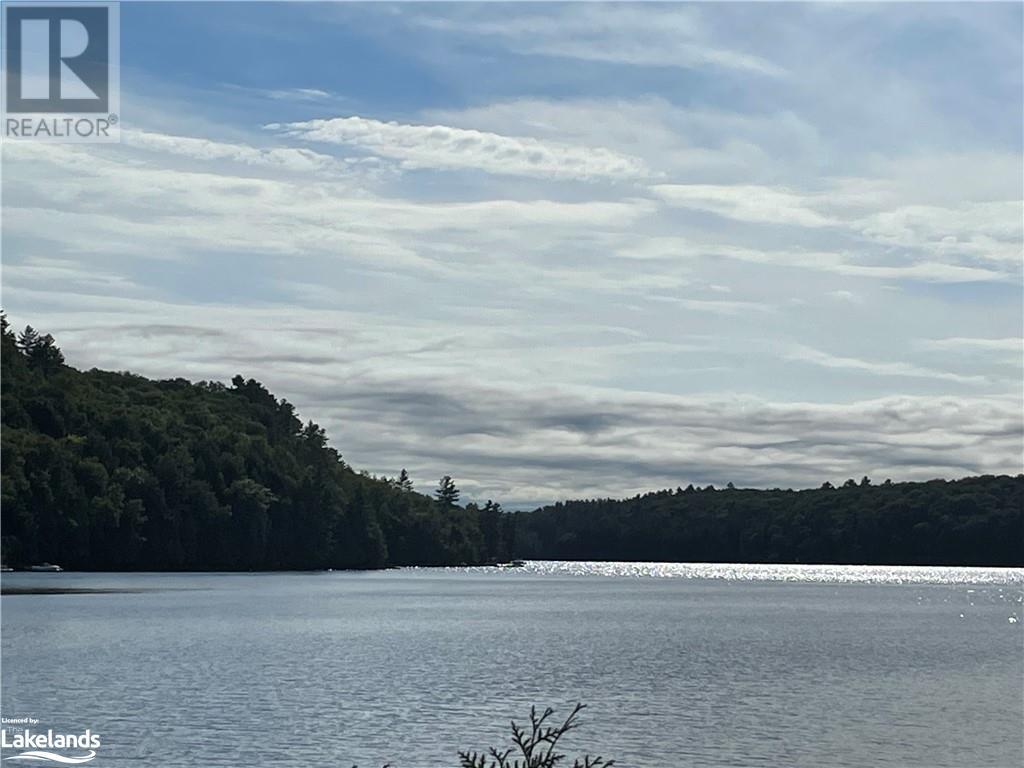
<point x="402" y="482"/>
<point x="42" y="351"/>
<point x="447" y="494"/>
<point x="45" y="355"/>
<point x="28" y="339"/>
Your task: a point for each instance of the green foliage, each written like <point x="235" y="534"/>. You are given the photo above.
<point x="974" y="521"/>
<point x="113" y="471"/>
<point x="447" y="494"/>
<point x="403" y="482"/>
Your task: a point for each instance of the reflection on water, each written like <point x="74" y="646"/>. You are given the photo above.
<point x="827" y="574"/>
<point x="682" y="665"/>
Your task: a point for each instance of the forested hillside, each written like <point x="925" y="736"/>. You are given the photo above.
<point x="975" y="521"/>
<point x="109" y="470"/>
<point x="113" y="471"/>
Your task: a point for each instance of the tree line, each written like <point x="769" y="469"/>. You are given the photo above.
<point x="113" y="471"/>
<point x="973" y="521"/>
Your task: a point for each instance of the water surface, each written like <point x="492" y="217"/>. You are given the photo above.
<point x="682" y="665"/>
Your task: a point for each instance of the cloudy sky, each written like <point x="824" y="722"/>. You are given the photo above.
<point x="559" y="250"/>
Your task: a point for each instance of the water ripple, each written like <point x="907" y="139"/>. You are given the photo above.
<point x="815" y="574"/>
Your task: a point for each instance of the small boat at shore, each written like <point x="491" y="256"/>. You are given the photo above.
<point x="45" y="568"/>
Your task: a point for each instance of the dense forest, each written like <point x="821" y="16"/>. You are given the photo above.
<point x="975" y="521"/>
<point x="113" y="471"/>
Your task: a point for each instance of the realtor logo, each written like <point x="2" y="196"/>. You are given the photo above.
<point x="61" y="71"/>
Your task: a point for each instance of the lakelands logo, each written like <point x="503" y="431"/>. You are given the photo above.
<point x="38" y="747"/>
<point x="61" y="71"/>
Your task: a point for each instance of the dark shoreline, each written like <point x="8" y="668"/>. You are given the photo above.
<point x="70" y="590"/>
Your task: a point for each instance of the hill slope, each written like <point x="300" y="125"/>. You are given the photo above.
<point x="114" y="471"/>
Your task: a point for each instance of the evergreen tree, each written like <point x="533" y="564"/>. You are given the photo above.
<point x="403" y="483"/>
<point x="44" y="355"/>
<point x="27" y="340"/>
<point x="447" y="494"/>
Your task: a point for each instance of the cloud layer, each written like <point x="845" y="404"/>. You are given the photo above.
<point x="443" y="147"/>
<point x="613" y="248"/>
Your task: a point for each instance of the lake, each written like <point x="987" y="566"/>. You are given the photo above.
<point x="681" y="665"/>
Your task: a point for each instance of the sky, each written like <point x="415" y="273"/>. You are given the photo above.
<point x="559" y="251"/>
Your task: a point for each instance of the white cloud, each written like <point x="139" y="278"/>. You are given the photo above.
<point x="993" y="345"/>
<point x="767" y="205"/>
<point x="435" y="399"/>
<point x="849" y="296"/>
<point x="805" y="354"/>
<point x="991" y="231"/>
<point x="312" y="95"/>
<point x="697" y="144"/>
<point x="716" y="306"/>
<point x="295" y="160"/>
<point x="648" y="36"/>
<point x="115" y="202"/>
<point x="681" y="249"/>
<point x="930" y="272"/>
<point x="40" y="272"/>
<point x="300" y="94"/>
<point x="446" y="148"/>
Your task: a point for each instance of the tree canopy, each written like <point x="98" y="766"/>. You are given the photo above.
<point x="974" y="521"/>
<point x="109" y="470"/>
